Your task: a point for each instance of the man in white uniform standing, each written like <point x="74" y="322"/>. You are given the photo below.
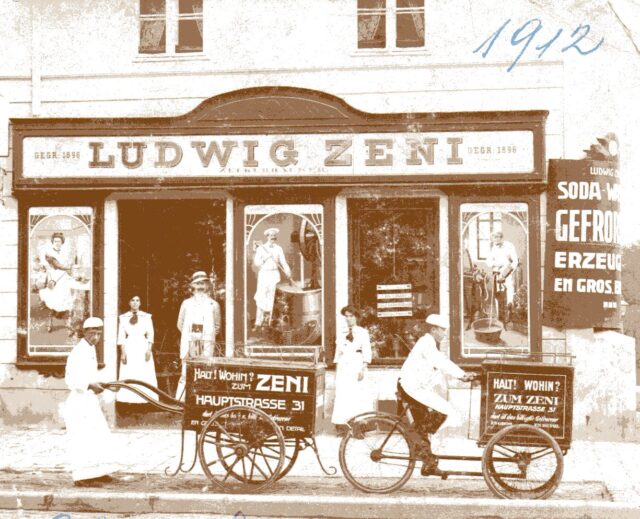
<point x="268" y="259"/>
<point x="88" y="435"/>
<point x="503" y="260"/>
<point x="199" y="324"/>
<point x="417" y="386"/>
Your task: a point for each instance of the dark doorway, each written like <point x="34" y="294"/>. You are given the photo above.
<point x="162" y="243"/>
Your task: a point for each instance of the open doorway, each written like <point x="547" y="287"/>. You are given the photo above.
<point x="161" y="244"/>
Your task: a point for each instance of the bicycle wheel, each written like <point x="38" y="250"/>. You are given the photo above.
<point x="241" y="449"/>
<point x="522" y="462"/>
<point x="378" y="458"/>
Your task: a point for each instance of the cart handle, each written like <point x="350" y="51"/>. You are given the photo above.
<point x="175" y="406"/>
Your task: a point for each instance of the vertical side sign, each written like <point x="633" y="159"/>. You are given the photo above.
<point x="583" y="255"/>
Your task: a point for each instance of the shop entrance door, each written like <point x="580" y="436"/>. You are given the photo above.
<point x="161" y="244"/>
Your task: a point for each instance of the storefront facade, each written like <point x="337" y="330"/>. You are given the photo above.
<point x="391" y="213"/>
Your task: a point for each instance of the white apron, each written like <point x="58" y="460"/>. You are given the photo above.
<point x="89" y="442"/>
<point x="135" y="340"/>
<point x="268" y="259"/>
<point x="202" y="310"/>
<point x="353" y="396"/>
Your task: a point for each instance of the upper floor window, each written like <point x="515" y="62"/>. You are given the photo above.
<point x="390" y="24"/>
<point x="170" y="26"/>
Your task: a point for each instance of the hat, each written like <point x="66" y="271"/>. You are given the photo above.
<point x="438" y="320"/>
<point x="199" y="276"/>
<point x="271" y="230"/>
<point x="93" y="322"/>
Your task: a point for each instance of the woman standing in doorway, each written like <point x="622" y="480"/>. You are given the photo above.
<point x="353" y="355"/>
<point x="135" y="338"/>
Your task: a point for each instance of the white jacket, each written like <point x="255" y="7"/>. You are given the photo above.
<point x="419" y="374"/>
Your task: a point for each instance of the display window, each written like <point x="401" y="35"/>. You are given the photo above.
<point x="284" y="283"/>
<point x="394" y="271"/>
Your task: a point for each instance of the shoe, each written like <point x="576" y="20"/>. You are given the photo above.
<point x="87" y="483"/>
<point x="104" y="479"/>
<point x="357" y="431"/>
<point x="430" y="468"/>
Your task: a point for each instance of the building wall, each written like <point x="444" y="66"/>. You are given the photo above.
<point x="67" y="60"/>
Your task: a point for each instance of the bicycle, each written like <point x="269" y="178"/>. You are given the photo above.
<point x="519" y="461"/>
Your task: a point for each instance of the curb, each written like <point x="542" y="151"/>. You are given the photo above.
<point x="304" y="506"/>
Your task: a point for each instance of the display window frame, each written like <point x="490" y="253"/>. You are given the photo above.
<point x="534" y="299"/>
<point x="94" y="203"/>
<point x="356" y="208"/>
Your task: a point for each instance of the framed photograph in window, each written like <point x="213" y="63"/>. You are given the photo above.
<point x="284" y="268"/>
<point x="59" y="278"/>
<point x="495" y="279"/>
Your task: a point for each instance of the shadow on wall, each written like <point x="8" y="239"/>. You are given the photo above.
<point x="631" y="294"/>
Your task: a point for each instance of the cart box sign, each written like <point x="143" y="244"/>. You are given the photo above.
<point x="291" y="395"/>
<point x="528" y="393"/>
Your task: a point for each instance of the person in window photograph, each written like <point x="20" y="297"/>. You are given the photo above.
<point x="135" y="340"/>
<point x="352" y="358"/>
<point x="88" y="434"/>
<point x="57" y="295"/>
<point x="503" y="260"/>
<point x="199" y="323"/>
<point x="418" y="384"/>
<point x="269" y="261"/>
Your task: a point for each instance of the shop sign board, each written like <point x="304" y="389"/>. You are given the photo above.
<point x="394" y="300"/>
<point x="583" y="260"/>
<point x="289" y="394"/>
<point x="528" y="393"/>
<point x="301" y="155"/>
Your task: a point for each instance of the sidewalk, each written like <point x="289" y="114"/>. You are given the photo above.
<point x="599" y="475"/>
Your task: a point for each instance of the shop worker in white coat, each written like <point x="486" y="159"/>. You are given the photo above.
<point x="353" y="355"/>
<point x="88" y="435"/>
<point x="417" y="387"/>
<point x="199" y="324"/>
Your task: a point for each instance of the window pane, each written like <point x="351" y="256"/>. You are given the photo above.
<point x="371" y="4"/>
<point x="190" y="6"/>
<point x="152" y="7"/>
<point x="283" y="281"/>
<point x="371" y="31"/>
<point x="152" y="36"/>
<point x="189" y="36"/>
<point x="495" y="290"/>
<point x="60" y="277"/>
<point x="410" y="28"/>
<point x="394" y="273"/>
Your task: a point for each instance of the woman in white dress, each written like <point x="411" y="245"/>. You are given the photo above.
<point x="353" y="355"/>
<point x="57" y="295"/>
<point x="135" y="338"/>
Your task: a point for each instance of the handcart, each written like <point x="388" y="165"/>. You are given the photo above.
<point x="250" y="418"/>
<point x="525" y="431"/>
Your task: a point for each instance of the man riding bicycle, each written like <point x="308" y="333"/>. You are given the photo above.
<point x="417" y="387"/>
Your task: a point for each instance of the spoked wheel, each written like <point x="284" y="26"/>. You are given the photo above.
<point x="270" y="447"/>
<point x="241" y="450"/>
<point x="377" y="456"/>
<point x="522" y="462"/>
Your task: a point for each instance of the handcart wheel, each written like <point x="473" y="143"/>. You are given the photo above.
<point x="522" y="462"/>
<point x="376" y="456"/>
<point x="270" y="446"/>
<point x="241" y="449"/>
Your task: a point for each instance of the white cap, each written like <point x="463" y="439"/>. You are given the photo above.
<point x="271" y="230"/>
<point x="93" y="322"/>
<point x="438" y="320"/>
